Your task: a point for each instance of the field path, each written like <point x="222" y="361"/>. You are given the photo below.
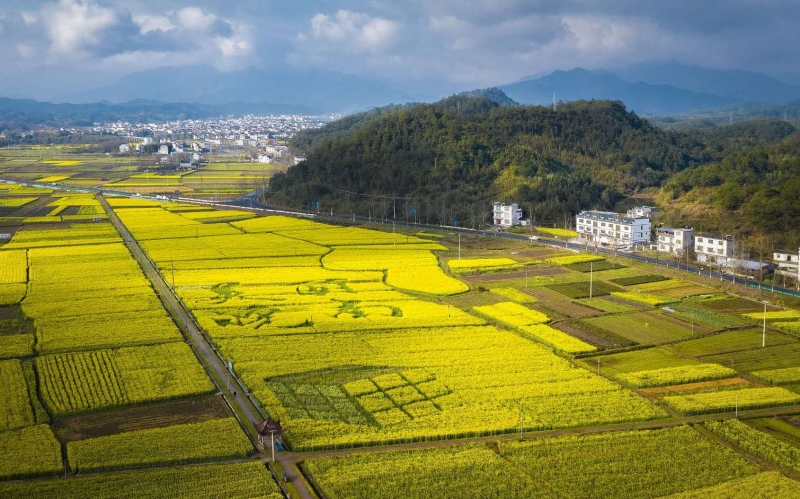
<point x="241" y="403"/>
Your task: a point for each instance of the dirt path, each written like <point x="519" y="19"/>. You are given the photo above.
<point x="200" y="344"/>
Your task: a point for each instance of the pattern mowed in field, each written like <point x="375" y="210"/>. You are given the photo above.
<point x="644" y="327"/>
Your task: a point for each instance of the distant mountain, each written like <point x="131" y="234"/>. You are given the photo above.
<point x="494" y="94"/>
<point x="319" y="90"/>
<point x="26" y="113"/>
<point x="577" y="84"/>
<point x="728" y="83"/>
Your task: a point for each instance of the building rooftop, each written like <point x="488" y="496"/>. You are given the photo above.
<point x="608" y="216"/>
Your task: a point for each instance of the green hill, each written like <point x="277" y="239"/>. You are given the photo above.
<point x="751" y="192"/>
<point x="452" y="157"/>
<point x="447" y="161"/>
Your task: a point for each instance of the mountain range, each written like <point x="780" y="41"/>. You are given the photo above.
<point x="663" y="90"/>
<point x="317" y="90"/>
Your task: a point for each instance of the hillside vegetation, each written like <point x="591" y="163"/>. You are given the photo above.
<point x="447" y="160"/>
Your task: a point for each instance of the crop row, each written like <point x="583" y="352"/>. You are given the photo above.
<point x="81" y="382"/>
<point x="217" y="439"/>
<point x="676" y="375"/>
<point x="219" y="481"/>
<point x="653" y="463"/>
<point x="757" y="442"/>
<point x="728" y="401"/>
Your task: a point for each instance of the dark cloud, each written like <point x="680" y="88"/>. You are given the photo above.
<point x="450" y="43"/>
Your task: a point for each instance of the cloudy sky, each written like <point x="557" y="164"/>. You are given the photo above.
<point x="429" y="45"/>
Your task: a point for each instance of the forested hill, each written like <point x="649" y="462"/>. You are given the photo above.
<point x="453" y="156"/>
<point x="751" y="192"/>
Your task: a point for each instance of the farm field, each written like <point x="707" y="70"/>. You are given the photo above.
<point x="228" y="481"/>
<point x="222" y="179"/>
<point x="343" y="304"/>
<point x="355" y="337"/>
<point x="639" y="464"/>
<point x="82" y="331"/>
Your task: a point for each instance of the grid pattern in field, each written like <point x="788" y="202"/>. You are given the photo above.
<point x="87" y="381"/>
<point x="15" y="404"/>
<point x="513" y="372"/>
<point x="643" y="327"/>
<point x="13" y="266"/>
<point x="268" y="320"/>
<point x="231" y="481"/>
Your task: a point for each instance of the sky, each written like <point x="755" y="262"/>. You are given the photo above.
<point x="55" y="47"/>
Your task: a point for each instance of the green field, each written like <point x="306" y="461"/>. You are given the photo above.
<point x="644" y="328"/>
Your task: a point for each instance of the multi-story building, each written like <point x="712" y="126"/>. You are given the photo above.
<point x="713" y="249"/>
<point x="676" y="241"/>
<point x="787" y="263"/>
<point x="506" y="215"/>
<point x="612" y="228"/>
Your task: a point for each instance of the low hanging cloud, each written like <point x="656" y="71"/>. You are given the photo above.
<point x="350" y="31"/>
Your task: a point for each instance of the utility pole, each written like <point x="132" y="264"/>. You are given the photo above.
<point x="764" y="328"/>
<point x="598" y="367"/>
<point x="272" y="432"/>
<point x="591" y="278"/>
<point x="526" y="277"/>
<point x="459" y="246"/>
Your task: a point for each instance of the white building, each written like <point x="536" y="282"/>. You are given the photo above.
<point x="612" y="228"/>
<point x="642" y="211"/>
<point x="676" y="241"/>
<point x="263" y="158"/>
<point x="124" y="148"/>
<point x="506" y="215"/>
<point x="299" y="159"/>
<point x="786" y="263"/>
<point x="713" y="249"/>
<point x="163" y="149"/>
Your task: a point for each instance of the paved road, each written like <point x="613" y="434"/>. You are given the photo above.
<point x="201" y="346"/>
